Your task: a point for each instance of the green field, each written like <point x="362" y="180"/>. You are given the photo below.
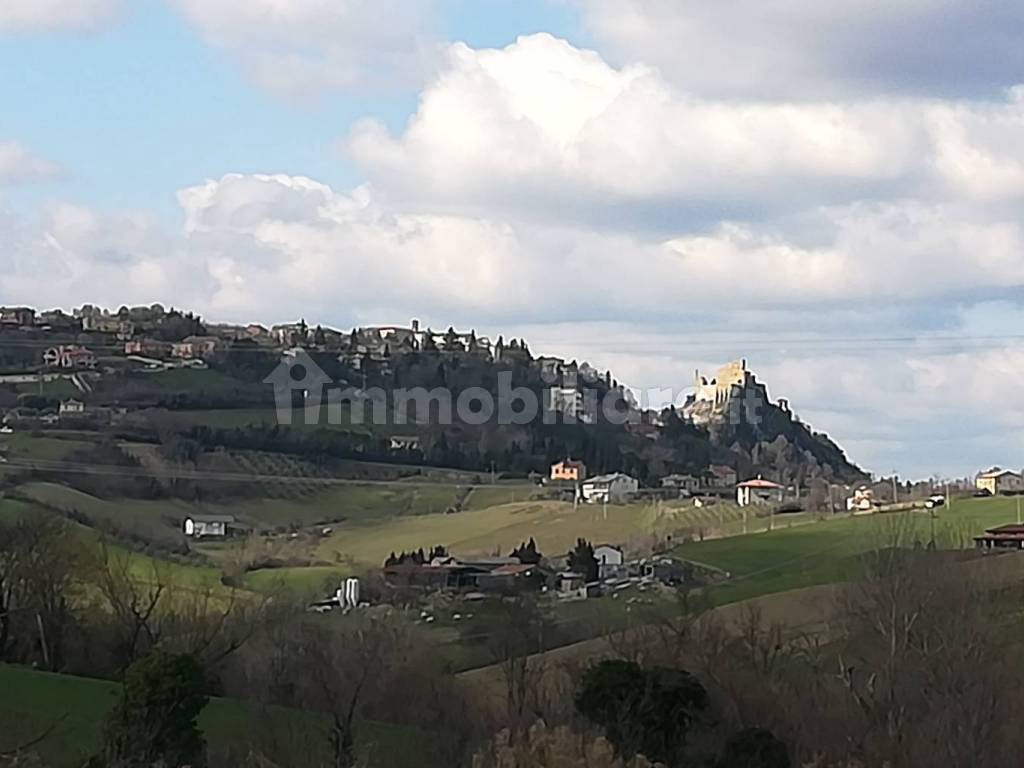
<point x="555" y="526"/>
<point x="827" y="552"/>
<point x="32" y="701"/>
<point x="305" y="582"/>
<point x="60" y="389"/>
<point x="191" y="379"/>
<point x="23" y="445"/>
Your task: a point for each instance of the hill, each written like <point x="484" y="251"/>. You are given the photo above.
<point x="454" y="399"/>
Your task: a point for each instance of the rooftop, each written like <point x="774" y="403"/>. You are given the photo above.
<point x="760" y="483"/>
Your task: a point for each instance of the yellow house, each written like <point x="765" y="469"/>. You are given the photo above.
<point x="997" y="481"/>
<point x="576" y="471"/>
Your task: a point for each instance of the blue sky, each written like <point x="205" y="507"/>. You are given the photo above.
<point x="829" y="190"/>
<point x="143" y="107"/>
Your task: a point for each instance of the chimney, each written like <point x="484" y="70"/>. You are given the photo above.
<point x="415" y="326"/>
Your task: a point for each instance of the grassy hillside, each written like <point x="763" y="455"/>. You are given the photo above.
<point x="32" y="701"/>
<point x="554" y="525"/>
<point x="827" y="552"/>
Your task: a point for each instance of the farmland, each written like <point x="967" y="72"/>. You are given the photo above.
<point x="554" y="525"/>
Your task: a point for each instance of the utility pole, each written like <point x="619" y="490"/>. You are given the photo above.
<point x="895" y="492"/>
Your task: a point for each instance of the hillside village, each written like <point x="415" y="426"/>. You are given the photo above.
<point x="111" y="368"/>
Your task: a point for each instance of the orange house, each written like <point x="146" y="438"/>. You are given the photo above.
<point x="575" y="471"/>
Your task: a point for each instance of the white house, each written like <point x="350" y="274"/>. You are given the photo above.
<point x="616" y="488"/>
<point x="687" y="483"/>
<point x="72" y="408"/>
<point x="208" y="526"/>
<point x="567" y="400"/>
<point x="610" y="560"/>
<point x="759" y="491"/>
<point x="863" y="500"/>
<point x="404" y="443"/>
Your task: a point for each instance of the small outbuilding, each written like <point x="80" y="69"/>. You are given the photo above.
<point x="759" y="491"/>
<point x="209" y="526"/>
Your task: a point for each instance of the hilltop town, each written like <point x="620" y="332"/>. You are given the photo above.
<point x="134" y="370"/>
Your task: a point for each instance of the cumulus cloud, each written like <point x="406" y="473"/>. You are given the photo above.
<point x="18" y="165"/>
<point x="548" y="127"/>
<point x="21" y="15"/>
<point x="302" y="48"/>
<point x="805" y="48"/>
<point x="68" y="255"/>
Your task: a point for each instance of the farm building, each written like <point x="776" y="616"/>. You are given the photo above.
<point x="759" y="491"/>
<point x="687" y="483"/>
<point x="210" y="526"/>
<point x="616" y="488"/>
<point x="610" y="561"/>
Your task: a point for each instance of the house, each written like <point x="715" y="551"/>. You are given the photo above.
<point x="209" y="526"/>
<point x="720" y="476"/>
<point x="759" y="491"/>
<point x="550" y="367"/>
<point x="146" y="347"/>
<point x="194" y="347"/>
<point x="1002" y="537"/>
<point x="863" y="500"/>
<point x="404" y="443"/>
<point x="616" y="488"/>
<point x="57" y="320"/>
<point x="291" y="333"/>
<point x="570" y="582"/>
<point x="513" y="578"/>
<point x="451" y="573"/>
<point x="570" y="470"/>
<point x="667" y="570"/>
<point x="19" y="316"/>
<point x="611" y="561"/>
<point x="69" y="356"/>
<point x="72" y="408"/>
<point x="997" y="481"/>
<point x="687" y="483"/>
<point x="567" y="400"/>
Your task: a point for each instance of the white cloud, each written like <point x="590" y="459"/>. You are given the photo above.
<point x="18" y="164"/>
<point x="72" y="255"/>
<point x="302" y="48"/>
<point x="22" y="15"/>
<point x="806" y="48"/>
<point x="544" y="126"/>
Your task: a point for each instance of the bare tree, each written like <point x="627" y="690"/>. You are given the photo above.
<point x="133" y="589"/>
<point x="47" y="570"/>
<point x="333" y="667"/>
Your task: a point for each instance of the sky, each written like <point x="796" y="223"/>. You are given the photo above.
<point x="831" y="191"/>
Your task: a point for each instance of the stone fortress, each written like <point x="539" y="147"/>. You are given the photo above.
<point x="711" y="398"/>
